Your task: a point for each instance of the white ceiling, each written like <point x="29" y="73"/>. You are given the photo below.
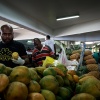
<point x="21" y="33"/>
<point x="40" y="16"/>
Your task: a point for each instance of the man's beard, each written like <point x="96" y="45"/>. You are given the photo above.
<point x="7" y="42"/>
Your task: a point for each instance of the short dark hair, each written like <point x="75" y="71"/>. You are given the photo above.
<point x="6" y="26"/>
<point x="48" y="36"/>
<point x="37" y="39"/>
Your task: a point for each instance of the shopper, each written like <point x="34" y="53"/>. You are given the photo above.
<point x="96" y="56"/>
<point x="51" y="44"/>
<point x="8" y="46"/>
<point x="99" y="56"/>
<point x="40" y="52"/>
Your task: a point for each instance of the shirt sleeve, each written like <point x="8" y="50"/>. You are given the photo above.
<point x="50" y="51"/>
<point x="53" y="41"/>
<point x="33" y="55"/>
<point x="22" y="50"/>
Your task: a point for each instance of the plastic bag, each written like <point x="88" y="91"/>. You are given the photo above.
<point x="62" y="57"/>
<point x="74" y="63"/>
<point x="48" y="61"/>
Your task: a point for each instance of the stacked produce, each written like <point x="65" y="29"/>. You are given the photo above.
<point x="46" y="83"/>
<point x="75" y="55"/>
<point x="90" y="85"/>
<point x="92" y="67"/>
<point x="89" y="66"/>
<point x="88" y="58"/>
<point x="77" y="51"/>
<point x="90" y="61"/>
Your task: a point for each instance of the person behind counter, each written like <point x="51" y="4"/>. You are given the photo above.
<point x="50" y="42"/>
<point x="8" y="46"/>
<point x="40" y="52"/>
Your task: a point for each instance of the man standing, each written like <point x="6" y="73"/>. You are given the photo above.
<point x="8" y="46"/>
<point x="40" y="52"/>
<point x="51" y="44"/>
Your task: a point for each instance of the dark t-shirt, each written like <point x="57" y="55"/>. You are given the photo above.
<point x="6" y="51"/>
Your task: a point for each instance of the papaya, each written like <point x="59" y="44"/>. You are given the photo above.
<point x="58" y="98"/>
<point x="49" y="82"/>
<point x="78" y="88"/>
<point x="76" y="78"/>
<point x="7" y="70"/>
<point x="84" y="78"/>
<point x="35" y="96"/>
<point x="16" y="91"/>
<point x="64" y="93"/>
<point x="21" y="74"/>
<point x="2" y="68"/>
<point x="4" y="81"/>
<point x="90" y="85"/>
<point x="40" y="70"/>
<point x="59" y="71"/>
<point x="70" y="89"/>
<point x="34" y="75"/>
<point x="66" y="81"/>
<point x="60" y="80"/>
<point x="49" y="71"/>
<point x="71" y="72"/>
<point x="62" y="67"/>
<point x="34" y="86"/>
<point x="70" y="77"/>
<point x="83" y="96"/>
<point x="48" y="95"/>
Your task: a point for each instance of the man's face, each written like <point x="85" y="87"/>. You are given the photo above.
<point x="37" y="43"/>
<point x="6" y="35"/>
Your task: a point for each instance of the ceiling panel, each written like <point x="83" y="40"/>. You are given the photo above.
<point x="40" y="15"/>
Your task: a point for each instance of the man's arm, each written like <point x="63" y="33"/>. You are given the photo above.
<point x="34" y="64"/>
<point x="26" y="58"/>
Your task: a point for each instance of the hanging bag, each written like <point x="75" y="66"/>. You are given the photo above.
<point x="62" y="56"/>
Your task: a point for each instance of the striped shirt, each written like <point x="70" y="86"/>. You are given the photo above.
<point x="39" y="55"/>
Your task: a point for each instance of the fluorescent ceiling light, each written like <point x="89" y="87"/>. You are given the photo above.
<point x="70" y="17"/>
<point x="89" y="42"/>
<point x="17" y="28"/>
<point x="29" y="41"/>
<point x="77" y="42"/>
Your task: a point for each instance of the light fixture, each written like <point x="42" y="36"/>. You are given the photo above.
<point x="17" y="28"/>
<point x="89" y="42"/>
<point x="77" y="43"/>
<point x="69" y="17"/>
<point x="29" y="42"/>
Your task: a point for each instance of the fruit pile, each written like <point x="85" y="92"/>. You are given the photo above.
<point x="46" y="83"/>
<point x="88" y="58"/>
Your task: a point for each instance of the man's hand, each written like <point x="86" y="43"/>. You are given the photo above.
<point x="19" y="61"/>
